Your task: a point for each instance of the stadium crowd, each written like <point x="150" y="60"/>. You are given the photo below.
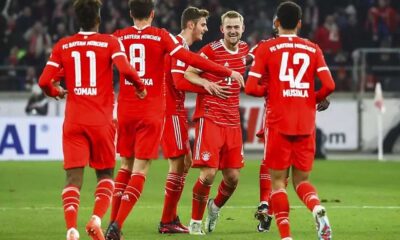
<point x="28" y="29"/>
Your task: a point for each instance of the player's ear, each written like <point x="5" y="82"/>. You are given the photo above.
<point x="277" y="23"/>
<point x="130" y="14"/>
<point x="243" y="27"/>
<point x="221" y="28"/>
<point x="152" y="14"/>
<point x="298" y="27"/>
<point x="190" y="25"/>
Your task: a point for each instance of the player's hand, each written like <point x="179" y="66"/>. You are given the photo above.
<point x="141" y="94"/>
<point x="216" y="90"/>
<point x="323" y="105"/>
<point x="61" y="93"/>
<point x="238" y="77"/>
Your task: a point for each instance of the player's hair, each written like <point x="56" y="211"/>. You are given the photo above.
<point x="192" y="14"/>
<point x="289" y="14"/>
<point x="231" y="14"/>
<point x="141" y="9"/>
<point x="87" y="13"/>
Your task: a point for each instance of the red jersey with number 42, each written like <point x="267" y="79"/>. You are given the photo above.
<point x="86" y="58"/>
<point x="223" y="112"/>
<point x="291" y="63"/>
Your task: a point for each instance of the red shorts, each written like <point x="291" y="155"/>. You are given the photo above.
<point x="139" y="137"/>
<point x="84" y="144"/>
<point x="283" y="151"/>
<point x="175" y="139"/>
<point x="217" y="146"/>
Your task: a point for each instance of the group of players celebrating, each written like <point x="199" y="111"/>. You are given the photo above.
<point x="156" y="68"/>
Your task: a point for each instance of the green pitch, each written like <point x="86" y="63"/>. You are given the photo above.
<point x="362" y="199"/>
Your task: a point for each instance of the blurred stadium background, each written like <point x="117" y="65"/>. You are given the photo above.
<point x="361" y="43"/>
<point x="360" y="40"/>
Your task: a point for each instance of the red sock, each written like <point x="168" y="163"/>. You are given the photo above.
<point x="200" y="197"/>
<point x="173" y="190"/>
<point x="121" y="181"/>
<point x="183" y="179"/>
<point x="280" y="206"/>
<point x="224" y="193"/>
<point x="70" y="198"/>
<point x="103" y="195"/>
<point x="308" y="194"/>
<point x="265" y="183"/>
<point x="130" y="197"/>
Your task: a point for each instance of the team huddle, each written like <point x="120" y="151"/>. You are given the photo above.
<point x="156" y="69"/>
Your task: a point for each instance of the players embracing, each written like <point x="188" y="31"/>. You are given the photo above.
<point x="218" y="143"/>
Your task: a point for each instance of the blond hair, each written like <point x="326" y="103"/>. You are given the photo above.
<point x="231" y="14"/>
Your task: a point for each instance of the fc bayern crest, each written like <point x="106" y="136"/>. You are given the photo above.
<point x="205" y="156"/>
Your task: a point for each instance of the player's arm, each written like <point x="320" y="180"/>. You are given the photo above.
<point x="48" y="80"/>
<point x="184" y="85"/>
<point x="323" y="73"/>
<point x="193" y="75"/>
<point x="121" y="62"/>
<point x="197" y="61"/>
<point x="253" y="88"/>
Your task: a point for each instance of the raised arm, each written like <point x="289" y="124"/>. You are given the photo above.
<point x="253" y="86"/>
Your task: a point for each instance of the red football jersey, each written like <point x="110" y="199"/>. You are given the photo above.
<point x="264" y="79"/>
<point x="146" y="49"/>
<point x="222" y="111"/>
<point x="175" y="99"/>
<point x="292" y="63"/>
<point x="86" y="58"/>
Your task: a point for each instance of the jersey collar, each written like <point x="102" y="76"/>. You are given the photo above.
<point x="287" y="35"/>
<point x="227" y="49"/>
<point x="86" y="33"/>
<point x="140" y="29"/>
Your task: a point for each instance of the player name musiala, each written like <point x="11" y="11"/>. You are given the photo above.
<point x="295" y="93"/>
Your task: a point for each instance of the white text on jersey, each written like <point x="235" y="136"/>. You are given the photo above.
<point x="137" y="36"/>
<point x="295" y="93"/>
<point x="146" y="82"/>
<point x="85" y="43"/>
<point x="86" y="91"/>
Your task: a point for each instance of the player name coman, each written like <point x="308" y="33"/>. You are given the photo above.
<point x="146" y="82"/>
<point x="295" y="93"/>
<point x="85" y="43"/>
<point x="91" y="91"/>
<point x="291" y="45"/>
<point x="144" y="36"/>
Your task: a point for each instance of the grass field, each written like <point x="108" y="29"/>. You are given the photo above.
<point x="363" y="202"/>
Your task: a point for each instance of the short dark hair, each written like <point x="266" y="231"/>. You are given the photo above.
<point x="87" y="13"/>
<point x="192" y="14"/>
<point x="289" y="14"/>
<point x="141" y="9"/>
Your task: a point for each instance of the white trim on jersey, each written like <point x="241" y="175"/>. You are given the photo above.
<point x="140" y="29"/>
<point x="177" y="131"/>
<point x="54" y="64"/>
<point x="257" y="75"/>
<point x="174" y="39"/>
<point x="251" y="55"/>
<point x="118" y="54"/>
<point x="121" y="45"/>
<point x="175" y="50"/>
<point x="177" y="71"/>
<point x="86" y="33"/>
<point x="197" y="153"/>
<point x="322" y="69"/>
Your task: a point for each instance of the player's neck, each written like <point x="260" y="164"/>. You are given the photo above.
<point x="287" y="31"/>
<point x="187" y="36"/>
<point x="231" y="47"/>
<point x="93" y="29"/>
<point x="140" y="24"/>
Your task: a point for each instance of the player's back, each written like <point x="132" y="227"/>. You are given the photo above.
<point x="222" y="111"/>
<point x="87" y="62"/>
<point x="291" y="63"/>
<point x="146" y="49"/>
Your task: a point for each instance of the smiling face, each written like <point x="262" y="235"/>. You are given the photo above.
<point x="232" y="28"/>
<point x="200" y="28"/>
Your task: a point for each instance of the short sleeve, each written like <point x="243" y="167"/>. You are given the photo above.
<point x="320" y="61"/>
<point x="116" y="47"/>
<point x="258" y="67"/>
<point x="55" y="57"/>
